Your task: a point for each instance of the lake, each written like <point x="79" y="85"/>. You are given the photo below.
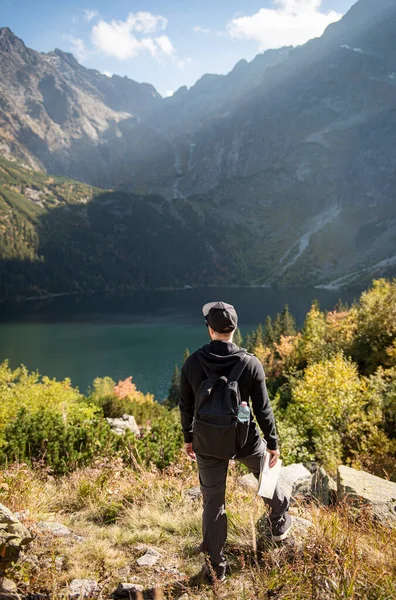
<point x="143" y="335"/>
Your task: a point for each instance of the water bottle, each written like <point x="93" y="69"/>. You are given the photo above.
<point x="244" y="413"/>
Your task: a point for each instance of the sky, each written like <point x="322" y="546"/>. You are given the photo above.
<point x="168" y="43"/>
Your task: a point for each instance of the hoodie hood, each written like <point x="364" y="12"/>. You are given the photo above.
<point x="220" y="357"/>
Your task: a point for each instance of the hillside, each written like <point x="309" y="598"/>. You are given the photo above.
<point x="61" y="236"/>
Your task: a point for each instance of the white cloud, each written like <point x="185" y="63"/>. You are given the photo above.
<point x="107" y="73"/>
<point x="89" y="14"/>
<point x="199" y="29"/>
<point x="126" y="39"/>
<point x="165" y="45"/>
<point x="146" y="22"/>
<point x="290" y="22"/>
<point x="169" y="93"/>
<point x="77" y="47"/>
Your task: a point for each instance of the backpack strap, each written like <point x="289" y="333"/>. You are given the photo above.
<point x="207" y="372"/>
<point x="239" y="368"/>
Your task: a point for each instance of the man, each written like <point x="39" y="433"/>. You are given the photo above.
<point x="220" y="357"/>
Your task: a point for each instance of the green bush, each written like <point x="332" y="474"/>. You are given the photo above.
<point x="335" y="415"/>
<point x="161" y="441"/>
<point x="62" y="441"/>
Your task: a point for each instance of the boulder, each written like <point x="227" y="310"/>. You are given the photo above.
<point x="249" y="482"/>
<point x="323" y="487"/>
<point x="295" y="479"/>
<point x="127" y="590"/>
<point x="13" y="538"/>
<point x="149" y="559"/>
<point x="368" y="490"/>
<point x="83" y="588"/>
<point x="56" y="529"/>
<point x="300" y="482"/>
<point x="126" y="423"/>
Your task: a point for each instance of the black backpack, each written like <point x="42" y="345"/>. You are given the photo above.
<point x="216" y="429"/>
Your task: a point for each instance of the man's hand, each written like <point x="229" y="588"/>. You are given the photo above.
<point x="275" y="454"/>
<point x="189" y="451"/>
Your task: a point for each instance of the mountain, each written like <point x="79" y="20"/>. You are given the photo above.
<point x="282" y="172"/>
<point x="60" y="117"/>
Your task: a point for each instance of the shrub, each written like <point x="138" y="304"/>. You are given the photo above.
<point x="60" y="440"/>
<point x="334" y="415"/>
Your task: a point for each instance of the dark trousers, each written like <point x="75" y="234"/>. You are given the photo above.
<point x="212" y="478"/>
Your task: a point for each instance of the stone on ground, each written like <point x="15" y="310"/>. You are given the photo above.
<point x="193" y="493"/>
<point x="56" y="529"/>
<point x="127" y="590"/>
<point x="13" y="537"/>
<point x="149" y="559"/>
<point x="83" y="588"/>
<point x="249" y="482"/>
<point x="365" y="489"/>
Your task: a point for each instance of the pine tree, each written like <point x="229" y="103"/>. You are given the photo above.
<point x="288" y="323"/>
<point x="238" y="339"/>
<point x="269" y="334"/>
<point x="248" y="343"/>
<point x="186" y="354"/>
<point x="174" y="390"/>
<point x="258" y="336"/>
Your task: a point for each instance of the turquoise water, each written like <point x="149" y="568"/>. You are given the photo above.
<point x="143" y="335"/>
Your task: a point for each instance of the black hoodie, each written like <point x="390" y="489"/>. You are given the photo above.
<point x="220" y="357"/>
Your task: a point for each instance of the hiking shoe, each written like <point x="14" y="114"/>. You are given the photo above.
<point x="214" y="573"/>
<point x="281" y="529"/>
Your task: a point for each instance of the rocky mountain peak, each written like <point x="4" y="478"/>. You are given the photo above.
<point x="66" y="56"/>
<point x="9" y="42"/>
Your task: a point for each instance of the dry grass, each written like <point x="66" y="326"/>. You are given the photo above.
<point x="119" y="512"/>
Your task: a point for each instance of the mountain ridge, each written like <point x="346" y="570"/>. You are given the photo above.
<point x="292" y="152"/>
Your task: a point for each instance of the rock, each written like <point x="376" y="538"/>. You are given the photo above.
<point x="7" y="586"/>
<point x="249" y="481"/>
<point x="193" y="493"/>
<point x="78" y="538"/>
<point x="126" y="423"/>
<point x="13" y="537"/>
<point x="127" y="590"/>
<point x="301" y="482"/>
<point x="149" y="559"/>
<point x="59" y="563"/>
<point x="83" y="588"/>
<point x="301" y="527"/>
<point x="365" y="489"/>
<point x="56" y="529"/>
<point x="323" y="487"/>
<point x="295" y="479"/>
<point x="23" y="514"/>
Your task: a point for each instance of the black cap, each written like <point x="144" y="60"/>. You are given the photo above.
<point x="220" y="316"/>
